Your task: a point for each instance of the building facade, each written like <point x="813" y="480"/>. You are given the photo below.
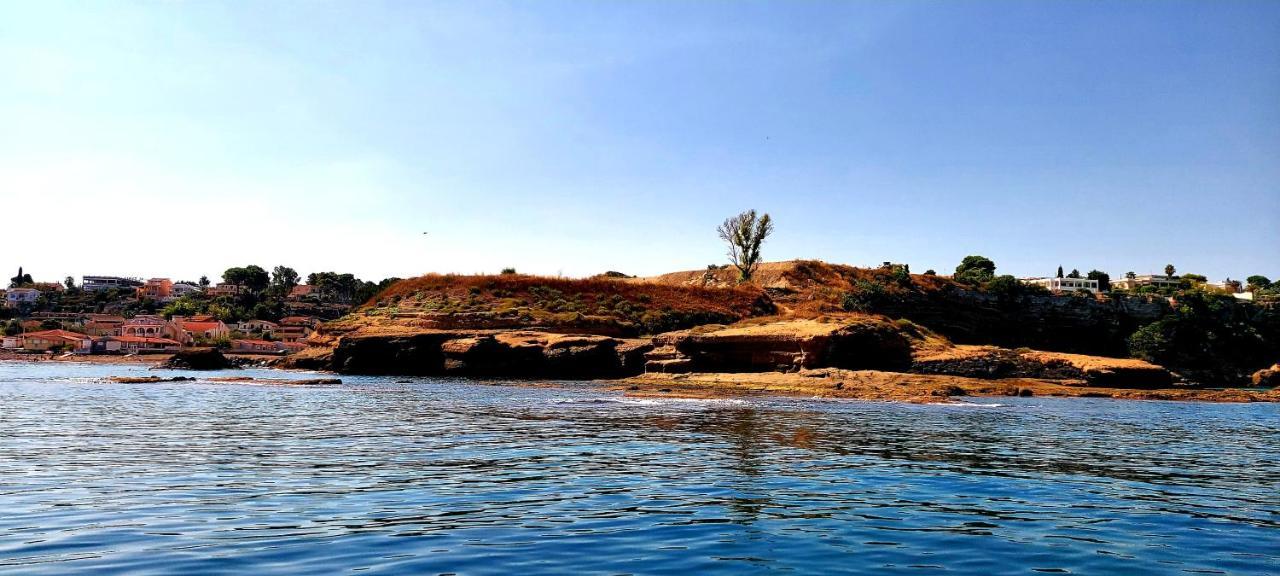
<point x="1064" y="284"/>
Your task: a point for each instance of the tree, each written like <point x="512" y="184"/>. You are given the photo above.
<point x="930" y="272"/>
<point x="975" y="270"/>
<point x="1131" y="275"/>
<point x="1104" y="279"/>
<point x="69" y="282"/>
<point x="283" y="279"/>
<point x="20" y="280"/>
<point x="1169" y="270"/>
<point x="252" y="277"/>
<point x="1059" y="270"/>
<point x="1258" y="282"/>
<point x="1195" y="278"/>
<point x="204" y="281"/>
<point x="1074" y="273"/>
<point x="744" y="234"/>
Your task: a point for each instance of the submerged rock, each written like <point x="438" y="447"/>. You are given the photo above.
<point x="198" y="359"/>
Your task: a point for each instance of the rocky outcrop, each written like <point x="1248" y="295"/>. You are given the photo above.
<point x="523" y="354"/>
<point x="1267" y="377"/>
<point x="861" y="343"/>
<point x="991" y="362"/>
<point x="198" y="359"/>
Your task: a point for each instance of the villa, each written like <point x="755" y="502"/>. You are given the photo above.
<point x="203" y="327"/>
<point x="156" y="289"/>
<point x="1064" y="284"/>
<point x="257" y="327"/>
<point x="155" y="327"/>
<point x="18" y="297"/>
<point x="55" y="339"/>
<point x="1156" y="280"/>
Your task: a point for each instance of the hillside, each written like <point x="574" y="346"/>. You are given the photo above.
<point x="592" y="306"/>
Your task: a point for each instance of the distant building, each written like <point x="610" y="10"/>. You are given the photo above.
<point x="136" y="344"/>
<point x="99" y="325"/>
<point x="226" y="289"/>
<point x="11" y="342"/>
<point x="96" y="283"/>
<point x="55" y="339"/>
<point x="301" y="291"/>
<point x="257" y="327"/>
<point x="1064" y="284"/>
<point x="181" y="289"/>
<point x="19" y="297"/>
<point x="259" y="346"/>
<point x="295" y="328"/>
<point x="156" y="289"/>
<point x="154" y="327"/>
<point x="1156" y="280"/>
<point x="203" y="327"/>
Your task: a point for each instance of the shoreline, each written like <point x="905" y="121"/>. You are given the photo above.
<point x="905" y="387"/>
<point x="821" y="383"/>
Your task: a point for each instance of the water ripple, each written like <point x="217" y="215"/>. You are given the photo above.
<point x="436" y="475"/>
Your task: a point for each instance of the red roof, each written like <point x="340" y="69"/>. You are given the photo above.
<point x="200" y="326"/>
<point x="52" y="334"/>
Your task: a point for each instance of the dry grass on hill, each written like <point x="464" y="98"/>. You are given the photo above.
<point x="646" y="307"/>
<point x="805" y="288"/>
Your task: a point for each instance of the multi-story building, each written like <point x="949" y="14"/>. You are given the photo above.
<point x="226" y="289"/>
<point x="181" y="289"/>
<point x="20" y="297"/>
<point x="257" y="327"/>
<point x="1064" y="284"/>
<point x="295" y="328"/>
<point x="203" y="327"/>
<point x="154" y="327"/>
<point x="156" y="289"/>
<point x="99" y="325"/>
<point x="96" y="283"/>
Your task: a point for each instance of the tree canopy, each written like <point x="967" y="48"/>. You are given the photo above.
<point x="975" y="269"/>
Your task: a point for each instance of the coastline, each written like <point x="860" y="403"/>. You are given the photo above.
<point x="821" y="383"/>
<point x="905" y="387"/>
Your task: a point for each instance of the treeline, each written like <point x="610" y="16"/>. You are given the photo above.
<point x="264" y="295"/>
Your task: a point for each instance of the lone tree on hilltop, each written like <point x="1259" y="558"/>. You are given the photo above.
<point x="1169" y="270"/>
<point x="1257" y="281"/>
<point x="745" y="233"/>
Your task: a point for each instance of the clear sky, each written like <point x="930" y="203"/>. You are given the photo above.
<point x="179" y="138"/>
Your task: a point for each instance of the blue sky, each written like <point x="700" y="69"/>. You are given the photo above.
<point x="178" y="139"/>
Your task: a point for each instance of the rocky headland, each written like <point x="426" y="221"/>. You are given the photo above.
<point x="790" y="332"/>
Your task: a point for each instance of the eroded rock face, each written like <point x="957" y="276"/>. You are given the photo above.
<point x="1267" y="377"/>
<point x="992" y="362"/>
<point x="515" y="354"/>
<point x="859" y="344"/>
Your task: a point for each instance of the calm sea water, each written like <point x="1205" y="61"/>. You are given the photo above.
<point x="435" y="475"/>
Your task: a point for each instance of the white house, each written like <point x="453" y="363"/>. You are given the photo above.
<point x="1064" y="284"/>
<point x="15" y="297"/>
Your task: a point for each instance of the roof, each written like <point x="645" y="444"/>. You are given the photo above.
<point x="57" y="334"/>
<point x="201" y="326"/>
<point x="297" y="320"/>
<point x="259" y="322"/>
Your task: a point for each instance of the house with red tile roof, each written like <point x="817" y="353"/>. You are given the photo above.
<point x="203" y="327"/>
<point x="136" y="344"/>
<point x="154" y="327"/>
<point x="57" y="339"/>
